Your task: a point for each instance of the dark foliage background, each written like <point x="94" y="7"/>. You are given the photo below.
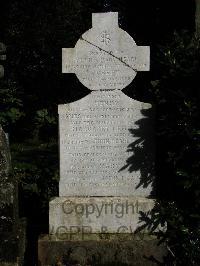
<point x="34" y="32"/>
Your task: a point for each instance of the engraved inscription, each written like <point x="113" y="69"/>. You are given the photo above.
<point x="94" y="138"/>
<point x="102" y="69"/>
<point x="95" y="131"/>
<point x="105" y="37"/>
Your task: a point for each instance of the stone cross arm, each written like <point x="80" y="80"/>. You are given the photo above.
<point x="139" y="61"/>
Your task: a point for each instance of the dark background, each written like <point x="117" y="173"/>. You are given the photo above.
<point x="34" y="33"/>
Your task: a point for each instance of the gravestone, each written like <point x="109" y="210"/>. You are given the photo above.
<point x="95" y="132"/>
<point x="6" y="184"/>
<point x="12" y="229"/>
<point x="99" y="196"/>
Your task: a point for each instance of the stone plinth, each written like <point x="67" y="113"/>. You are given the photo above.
<point x="96" y="214"/>
<point x="100" y="249"/>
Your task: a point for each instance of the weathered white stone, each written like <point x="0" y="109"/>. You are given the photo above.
<point x="94" y="138"/>
<point x="105" y="57"/>
<point x="96" y="133"/>
<point x="97" y="214"/>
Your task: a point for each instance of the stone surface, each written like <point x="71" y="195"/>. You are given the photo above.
<point x="7" y="186"/>
<point x="105" y="57"/>
<point x="95" y="135"/>
<point x="12" y="229"/>
<point x="96" y="132"/>
<point x="99" y="249"/>
<point x="96" y="214"/>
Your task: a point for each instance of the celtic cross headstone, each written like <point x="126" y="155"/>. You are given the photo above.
<point x="95" y="132"/>
<point x="105" y="179"/>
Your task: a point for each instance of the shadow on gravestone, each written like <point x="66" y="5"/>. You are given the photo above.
<point x="143" y="151"/>
<point x="143" y="160"/>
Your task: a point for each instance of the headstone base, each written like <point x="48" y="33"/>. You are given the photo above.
<point x="100" y="249"/>
<point x="97" y="214"/>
